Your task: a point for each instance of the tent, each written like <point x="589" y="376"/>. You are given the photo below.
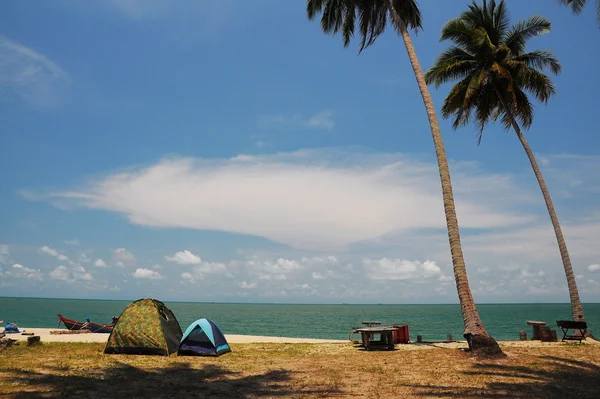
<point x="145" y="327"/>
<point x="203" y="338"/>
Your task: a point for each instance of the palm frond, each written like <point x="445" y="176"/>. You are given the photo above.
<point x="575" y="5"/>
<point x="454" y="63"/>
<point x="313" y="7"/>
<point x="536" y="83"/>
<point x="493" y="72"/>
<point x="541" y="59"/>
<point x="486" y="108"/>
<point x="348" y="25"/>
<point x="523" y="109"/>
<point x="463" y="35"/>
<point x="501" y="23"/>
<point x="372" y="21"/>
<point x="519" y="34"/>
<point x="478" y="78"/>
<point x="454" y="105"/>
<point x="337" y="15"/>
<point x="409" y="13"/>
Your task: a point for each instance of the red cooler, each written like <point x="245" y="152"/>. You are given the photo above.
<point x="401" y="334"/>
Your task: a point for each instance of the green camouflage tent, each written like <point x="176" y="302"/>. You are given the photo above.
<point x="145" y="327"/>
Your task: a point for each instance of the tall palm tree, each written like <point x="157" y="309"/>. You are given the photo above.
<point x="495" y="75"/>
<point x="371" y="17"/>
<point x="577" y="6"/>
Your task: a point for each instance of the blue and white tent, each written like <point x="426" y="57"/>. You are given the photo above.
<point x="203" y="338"/>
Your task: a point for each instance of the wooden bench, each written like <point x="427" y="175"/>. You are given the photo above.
<point x="566" y="325"/>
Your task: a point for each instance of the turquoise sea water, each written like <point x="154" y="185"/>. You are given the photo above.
<point x="503" y="321"/>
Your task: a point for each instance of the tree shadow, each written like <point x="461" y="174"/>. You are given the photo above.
<point x="551" y="377"/>
<point x="178" y="380"/>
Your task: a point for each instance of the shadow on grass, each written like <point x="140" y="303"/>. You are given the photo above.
<point x="178" y="380"/>
<point x="549" y="377"/>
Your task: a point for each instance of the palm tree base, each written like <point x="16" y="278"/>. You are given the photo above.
<point x="482" y="345"/>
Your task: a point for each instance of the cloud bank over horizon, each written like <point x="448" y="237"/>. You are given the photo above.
<point x="314" y="200"/>
<point x="355" y="224"/>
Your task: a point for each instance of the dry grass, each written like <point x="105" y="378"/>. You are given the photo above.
<point x="300" y="371"/>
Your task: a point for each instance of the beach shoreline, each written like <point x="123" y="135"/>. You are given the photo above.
<point x="46" y="335"/>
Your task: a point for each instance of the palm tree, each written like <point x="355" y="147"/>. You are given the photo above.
<point x="577" y="6"/>
<point x="371" y="17"/>
<point x="495" y="75"/>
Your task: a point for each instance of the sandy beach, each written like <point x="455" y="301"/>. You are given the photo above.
<point x="46" y="335"/>
<point x="277" y="367"/>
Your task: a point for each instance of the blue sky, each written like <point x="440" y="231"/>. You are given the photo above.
<point x="227" y="151"/>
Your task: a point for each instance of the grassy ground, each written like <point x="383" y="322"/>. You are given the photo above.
<point x="299" y="371"/>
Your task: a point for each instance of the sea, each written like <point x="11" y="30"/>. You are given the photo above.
<point x="432" y="322"/>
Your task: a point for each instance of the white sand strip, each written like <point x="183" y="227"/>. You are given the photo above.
<point x="46" y="336"/>
<point x="245" y="339"/>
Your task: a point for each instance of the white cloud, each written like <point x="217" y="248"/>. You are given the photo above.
<point x="50" y="251"/>
<point x="53" y="252"/>
<point x="30" y="75"/>
<point x="307" y="199"/>
<point x="142" y="273"/>
<point x="211" y="267"/>
<point x="79" y="273"/>
<point x="22" y="272"/>
<point x="400" y="269"/>
<point x="184" y="257"/>
<point x="594" y="267"/>
<point x="71" y="274"/>
<point x="199" y="271"/>
<point x="187" y="276"/>
<point x="318" y="276"/>
<point x="124" y="258"/>
<point x="322" y="120"/>
<point x="570" y="174"/>
<point x="60" y="273"/>
<point x="246" y="285"/>
<point x="100" y="263"/>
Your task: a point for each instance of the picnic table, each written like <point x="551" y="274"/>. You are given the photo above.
<point x="536" y="328"/>
<point x="369" y="337"/>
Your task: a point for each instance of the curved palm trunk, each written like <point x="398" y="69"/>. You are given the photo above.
<point x="477" y="337"/>
<point x="576" y="308"/>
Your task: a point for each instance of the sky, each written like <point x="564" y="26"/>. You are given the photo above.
<point x="230" y="151"/>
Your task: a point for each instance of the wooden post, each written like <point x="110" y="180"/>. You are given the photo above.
<point x="419" y="339"/>
<point x="522" y="335"/>
<point x="449" y="337"/>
